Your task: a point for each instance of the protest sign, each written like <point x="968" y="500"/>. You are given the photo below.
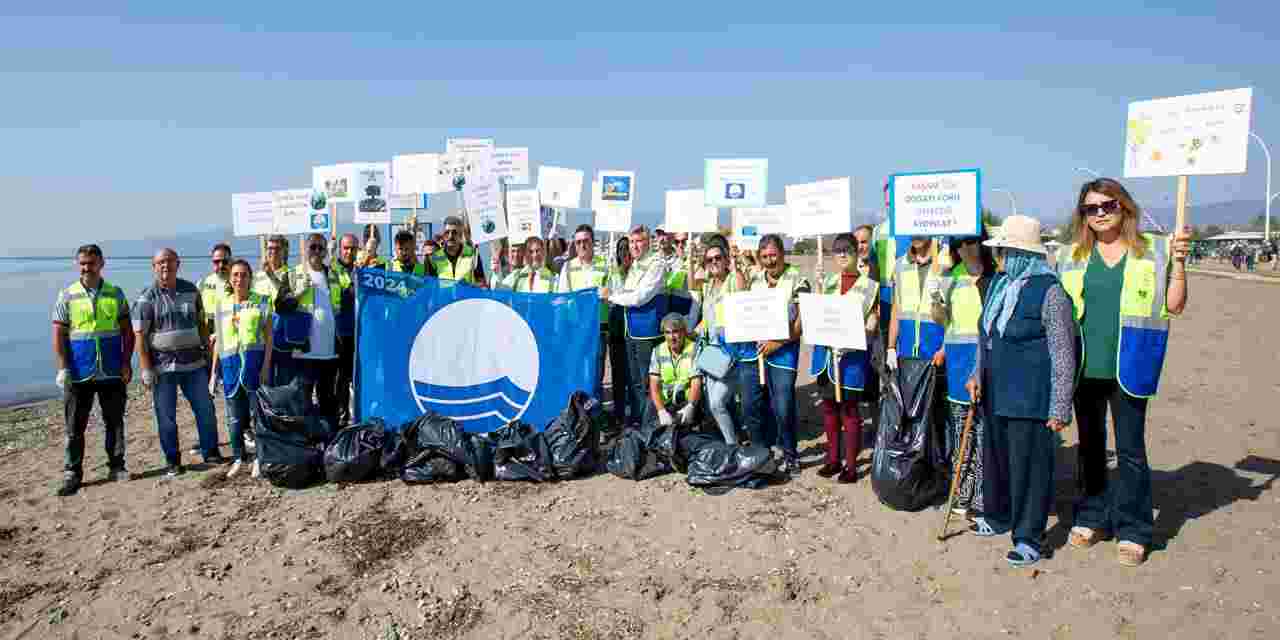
<point x="754" y="316"/>
<point x="296" y="211"/>
<point x="468" y="145"/>
<point x="736" y="183"/>
<point x="558" y="187"/>
<point x="820" y="207"/>
<point x="523" y="215"/>
<point x="1202" y="134"/>
<point x="747" y="243"/>
<point x="688" y="212"/>
<point x="460" y="167"/>
<point x="511" y="164"/>
<point x="612" y="199"/>
<point x="752" y="222"/>
<point x="482" y="197"/>
<point x="416" y="173"/>
<point x="371" y="193"/>
<point x="251" y="213"/>
<point x="335" y="181"/>
<point x="833" y="321"/>
<point x="408" y="201"/>
<point x="936" y="203"/>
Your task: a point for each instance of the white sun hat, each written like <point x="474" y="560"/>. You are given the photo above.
<point x="1019" y="232"/>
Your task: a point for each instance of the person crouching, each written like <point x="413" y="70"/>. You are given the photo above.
<point x="675" y="385"/>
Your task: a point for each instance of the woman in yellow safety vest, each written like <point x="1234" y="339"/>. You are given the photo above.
<point x="913" y="332"/>
<point x="722" y="279"/>
<point x="1125" y="285"/>
<point x="534" y="277"/>
<point x="964" y="289"/>
<point x="854" y="367"/>
<point x="242" y="341"/>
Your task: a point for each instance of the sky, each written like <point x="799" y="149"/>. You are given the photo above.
<point x="128" y="119"/>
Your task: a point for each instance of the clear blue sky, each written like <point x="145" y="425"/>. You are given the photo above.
<point x="122" y="119"/>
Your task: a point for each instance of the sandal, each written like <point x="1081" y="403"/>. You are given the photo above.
<point x="1130" y="554"/>
<point x="1084" y="537"/>
<point x="1022" y="555"/>
<point x="980" y="528"/>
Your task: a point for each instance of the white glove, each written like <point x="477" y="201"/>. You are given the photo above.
<point x="891" y="359"/>
<point x="148" y="378"/>
<point x="61" y="378"/>
<point x="664" y="418"/>
<point x="686" y="414"/>
<point x="934" y="289"/>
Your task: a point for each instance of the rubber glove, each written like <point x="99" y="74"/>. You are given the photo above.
<point x="891" y="359"/>
<point x="686" y="414"/>
<point x="148" y="378"/>
<point x="61" y="379"/>
<point x="664" y="418"/>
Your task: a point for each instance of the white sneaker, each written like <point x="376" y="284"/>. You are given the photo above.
<point x="257" y="472"/>
<point x="249" y="442"/>
<point x="235" y="468"/>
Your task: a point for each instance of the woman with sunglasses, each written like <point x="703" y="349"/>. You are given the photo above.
<point x="964" y="289"/>
<point x="854" y="366"/>
<point x="242" y="340"/>
<point x="1125" y="285"/>
<point x="721" y="280"/>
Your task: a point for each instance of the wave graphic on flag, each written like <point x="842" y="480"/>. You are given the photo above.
<point x="490" y="404"/>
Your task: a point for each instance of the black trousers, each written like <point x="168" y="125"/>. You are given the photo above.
<point x="1017" y="471"/>
<point x="320" y="377"/>
<point x="639" y="354"/>
<point x="1124" y="505"/>
<point x="619" y="367"/>
<point x="77" y="401"/>
<point x="346" y="371"/>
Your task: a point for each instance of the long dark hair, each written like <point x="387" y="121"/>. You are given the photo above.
<point x="985" y="254"/>
<point x="622" y="253"/>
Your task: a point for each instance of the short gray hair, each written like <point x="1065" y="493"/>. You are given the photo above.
<point x="673" y="320"/>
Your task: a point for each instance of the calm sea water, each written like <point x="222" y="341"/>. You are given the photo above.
<point x="28" y="289"/>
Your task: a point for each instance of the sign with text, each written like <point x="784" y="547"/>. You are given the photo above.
<point x="755" y="316"/>
<point x="558" y="187"/>
<point x="613" y="196"/>
<point x="511" y="164"/>
<point x="482" y="197"/>
<point x="335" y="181"/>
<point x="468" y="145"/>
<point x="1196" y="135"/>
<point x="416" y="173"/>
<point x="251" y="213"/>
<point x="371" y="193"/>
<point x="524" y="217"/>
<point x="833" y="321"/>
<point x="408" y="201"/>
<point x="687" y="212"/>
<point x="736" y="183"/>
<point x="936" y="203"/>
<point x="752" y="222"/>
<point x="295" y="211"/>
<point x="820" y="207"/>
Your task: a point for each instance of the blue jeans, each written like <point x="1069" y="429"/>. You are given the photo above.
<point x="720" y="402"/>
<point x="759" y="404"/>
<point x="1123" y="503"/>
<point x="1018" y="459"/>
<point x="239" y="412"/>
<point x="195" y="388"/>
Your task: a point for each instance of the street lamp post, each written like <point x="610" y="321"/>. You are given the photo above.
<point x="1013" y="203"/>
<point x="1266" y="225"/>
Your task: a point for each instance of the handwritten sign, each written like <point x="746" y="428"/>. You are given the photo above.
<point x="251" y="213"/>
<point x="754" y="316"/>
<point x="511" y="164"/>
<point x="468" y="145"/>
<point x="371" y="191"/>
<point x="558" y="187"/>
<point x="833" y="321"/>
<point x="687" y="212"/>
<point x="936" y="203"/>
<point x="523" y="214"/>
<point x="1196" y="135"/>
<point x="820" y="207"/>
<point x="736" y="183"/>
<point x="299" y="211"/>
<point x="483" y="198"/>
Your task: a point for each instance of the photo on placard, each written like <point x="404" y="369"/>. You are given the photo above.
<point x="735" y="191"/>
<point x="616" y="188"/>
<point x="336" y="187"/>
<point x="373" y="201"/>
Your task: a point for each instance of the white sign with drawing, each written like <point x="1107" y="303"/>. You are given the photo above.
<point x="756" y="316"/>
<point x="251" y="213"/>
<point x="483" y="199"/>
<point x="833" y="321"/>
<point x="296" y="211"/>
<point x="335" y="181"/>
<point x="736" y="183"/>
<point x="558" y="187"/>
<point x="523" y="215"/>
<point x="820" y="207"/>
<point x="1196" y="135"/>
<point x="687" y="212"/>
<point x="371" y="193"/>
<point x="511" y="164"/>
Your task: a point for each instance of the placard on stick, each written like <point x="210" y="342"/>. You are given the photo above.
<point x="613" y="199"/>
<point x="687" y="212"/>
<point x="416" y="173"/>
<point x="483" y="198"/>
<point x="756" y="316"/>
<point x="523" y="215"/>
<point x="511" y="164"/>
<point x="251" y="213"/>
<point x="936" y="203"/>
<point x="736" y="183"/>
<point x="833" y="321"/>
<point x="296" y="211"/>
<point x="371" y="190"/>
<point x="821" y="207"/>
<point x="559" y="187"/>
<point x="750" y="223"/>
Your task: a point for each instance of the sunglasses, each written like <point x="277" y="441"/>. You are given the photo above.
<point x="316" y="247"/>
<point x="842" y="252"/>
<point x="1092" y="210"/>
<point x="715" y="256"/>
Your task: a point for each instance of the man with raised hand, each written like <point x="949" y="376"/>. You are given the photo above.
<point x="589" y="271"/>
<point x="93" y="348"/>
<point x="173" y="340"/>
<point x="641" y="297"/>
<point x="318" y="291"/>
<point x="503" y="278"/>
<point x="345" y="266"/>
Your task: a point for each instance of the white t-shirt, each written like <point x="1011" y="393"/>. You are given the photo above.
<point x="323" y="322"/>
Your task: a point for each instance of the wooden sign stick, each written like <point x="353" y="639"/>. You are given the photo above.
<point x="1183" y="195"/>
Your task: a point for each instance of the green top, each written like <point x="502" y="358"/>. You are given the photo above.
<point x="1101" y="322"/>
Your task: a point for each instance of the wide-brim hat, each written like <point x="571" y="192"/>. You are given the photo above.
<point x="1018" y="232"/>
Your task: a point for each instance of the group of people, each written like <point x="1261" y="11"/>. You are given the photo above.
<point x="1024" y="346"/>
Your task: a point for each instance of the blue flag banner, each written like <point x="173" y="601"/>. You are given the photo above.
<point x="481" y="357"/>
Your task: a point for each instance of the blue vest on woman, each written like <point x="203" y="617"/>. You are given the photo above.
<point x="1016" y="370"/>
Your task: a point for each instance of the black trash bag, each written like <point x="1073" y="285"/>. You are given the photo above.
<point x="355" y="453"/>
<point x="284" y="409"/>
<point x="640" y="454"/>
<point x="394" y="453"/>
<point x="520" y="453"/>
<point x="574" y="437"/>
<point x="437" y="450"/>
<point x="484" y="449"/>
<point x="287" y="459"/>
<point x="905" y="470"/>
<point x="718" y="467"/>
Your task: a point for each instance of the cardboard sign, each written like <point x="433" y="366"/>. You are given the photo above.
<point x="251" y="213"/>
<point x="755" y="316"/>
<point x="558" y="187"/>
<point x="482" y="196"/>
<point x="524" y="216"/>
<point x="1196" y="135"/>
<point x="371" y="191"/>
<point x="833" y="321"/>
<point x="295" y="211"/>
<point x="511" y="164"/>
<point x="687" y="212"/>
<point x="335" y="181"/>
<point x="736" y="183"/>
<point x="936" y="203"/>
<point x="820" y="207"/>
<point x="416" y="173"/>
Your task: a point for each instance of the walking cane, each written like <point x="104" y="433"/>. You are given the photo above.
<point x="959" y="470"/>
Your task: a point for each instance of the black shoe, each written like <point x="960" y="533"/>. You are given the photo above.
<point x="791" y="466"/>
<point x="70" y="484"/>
<point x="215" y="459"/>
<point x="116" y="474"/>
<point x="173" y="471"/>
<point x="829" y="469"/>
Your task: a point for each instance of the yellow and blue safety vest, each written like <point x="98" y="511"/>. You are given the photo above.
<point x="591" y="276"/>
<point x="464" y="271"/>
<point x="855" y="366"/>
<point x="787" y="356"/>
<point x="242" y="341"/>
<point x="96" y="342"/>
<point x="675" y="373"/>
<point x="964" y="306"/>
<point x="918" y="335"/>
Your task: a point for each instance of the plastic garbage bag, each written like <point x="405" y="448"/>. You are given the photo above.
<point x="483" y="446"/>
<point x="520" y="453"/>
<point x="287" y="459"/>
<point x="436" y="450"/>
<point x="574" y="437"/>
<point x="718" y="467"/>
<point x="288" y="409"/>
<point x="355" y="453"/>
<point x="906" y="469"/>
<point x="639" y="454"/>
